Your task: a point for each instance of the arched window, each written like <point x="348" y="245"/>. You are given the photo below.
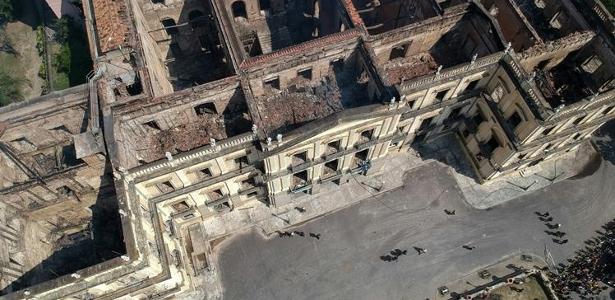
<point x="170" y="26"/>
<point x="239" y="10"/>
<point x="196" y="19"/>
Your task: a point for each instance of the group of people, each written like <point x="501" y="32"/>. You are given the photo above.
<point x="559" y="235"/>
<point x="393" y="255"/>
<point x="591" y="269"/>
<point x="298" y="233"/>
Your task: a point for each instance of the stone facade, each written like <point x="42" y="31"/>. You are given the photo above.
<point x="212" y="106"/>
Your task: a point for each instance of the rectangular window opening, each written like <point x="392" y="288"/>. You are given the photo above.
<point x="337" y="64"/>
<point x="398" y="52"/>
<point x="426" y="124"/>
<point x="165" y="187"/>
<point x="305" y="73"/>
<point x="515" y="119"/>
<point x="333" y="147"/>
<point x="300" y="179"/>
<point x="152" y="125"/>
<point x="331" y="167"/>
<point x="366" y="135"/>
<point x="472" y="85"/>
<point x="215" y="194"/>
<point x="273" y="83"/>
<point x="440" y="95"/>
<point x="578" y="120"/>
<point x="299" y="158"/>
<point x="205" y="108"/>
<point x="181" y="206"/>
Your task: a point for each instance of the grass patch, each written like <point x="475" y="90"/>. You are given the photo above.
<point x="70" y="54"/>
<point x="610" y="5"/>
<point x="10" y="88"/>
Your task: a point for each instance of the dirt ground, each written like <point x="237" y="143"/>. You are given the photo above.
<point x="25" y="64"/>
<point x="530" y="290"/>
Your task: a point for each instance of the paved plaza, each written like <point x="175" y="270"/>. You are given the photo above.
<point x="345" y="263"/>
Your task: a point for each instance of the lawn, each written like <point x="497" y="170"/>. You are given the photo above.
<point x="530" y="290"/>
<point x="23" y="67"/>
<point x="70" y="59"/>
<point x="19" y="59"/>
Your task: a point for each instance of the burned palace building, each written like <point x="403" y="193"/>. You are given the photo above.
<point x="199" y="108"/>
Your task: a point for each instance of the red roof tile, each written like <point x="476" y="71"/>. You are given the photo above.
<point x="112" y="23"/>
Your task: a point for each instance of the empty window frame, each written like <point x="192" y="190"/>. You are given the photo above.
<point x="216" y="194"/>
<point x="165" y="187"/>
<point x="180" y="207"/>
<point x="412" y="103"/>
<point x="240" y="162"/>
<point x="239" y="10"/>
<point x="333" y="147"/>
<point x="399" y="51"/>
<point x="578" y="120"/>
<point x="169" y="26"/>
<point x="577" y="136"/>
<point x="152" y="125"/>
<point x="515" y="119"/>
<point x="491" y="144"/>
<point x="440" y="95"/>
<point x="205" y="108"/>
<point x="366" y="135"/>
<point x="455" y="112"/>
<point x="331" y="167"/>
<point x="272" y="83"/>
<point x="299" y="158"/>
<point x="305" y="73"/>
<point x="479" y="117"/>
<point x="547" y="131"/>
<point x="337" y="64"/>
<point x="204" y="173"/>
<point x="425" y="124"/>
<point x="592" y="64"/>
<point x="248" y="183"/>
<point x="472" y="85"/>
<point x="300" y="179"/>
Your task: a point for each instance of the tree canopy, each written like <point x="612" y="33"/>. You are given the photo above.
<point x="7" y="11"/>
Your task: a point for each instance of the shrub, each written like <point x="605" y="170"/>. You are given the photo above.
<point x="9" y="89"/>
<point x="62" y="29"/>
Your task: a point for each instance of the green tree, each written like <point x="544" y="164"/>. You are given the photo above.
<point x="610" y="5"/>
<point x="9" y="89"/>
<point x="7" y="11"/>
<point x="63" y="59"/>
<point x="62" y="28"/>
